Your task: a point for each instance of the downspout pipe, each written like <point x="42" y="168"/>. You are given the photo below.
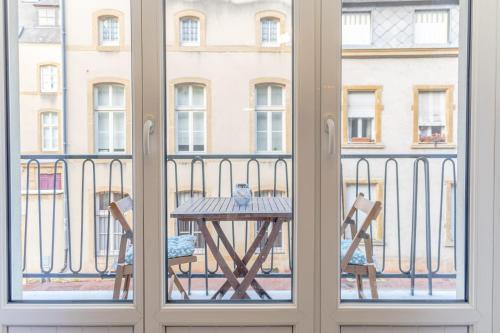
<point x="64" y="79"/>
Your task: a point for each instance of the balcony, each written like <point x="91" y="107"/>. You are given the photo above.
<point x="67" y="241"/>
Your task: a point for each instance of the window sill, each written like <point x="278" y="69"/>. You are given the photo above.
<point x="42" y="192"/>
<point x="103" y="48"/>
<point x="433" y="146"/>
<point x="363" y="146"/>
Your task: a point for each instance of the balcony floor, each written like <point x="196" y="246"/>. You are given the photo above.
<point x="279" y="289"/>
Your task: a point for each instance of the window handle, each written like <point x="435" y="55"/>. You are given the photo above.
<point x="147" y="131"/>
<point x="330" y="130"/>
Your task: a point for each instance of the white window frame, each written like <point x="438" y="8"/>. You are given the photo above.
<point x="429" y="126"/>
<point x="263" y="26"/>
<point x="54" y="146"/>
<point x="190" y="109"/>
<point x="478" y="313"/>
<point x="47" y="16"/>
<point x="108" y="42"/>
<point x="49" y="78"/>
<point x="182" y="40"/>
<point x="115" y="229"/>
<point x="359" y="128"/>
<point x="111" y="111"/>
<point x="269" y="110"/>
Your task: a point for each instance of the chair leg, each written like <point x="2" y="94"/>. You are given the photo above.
<point x="359" y="283"/>
<point x="175" y="280"/>
<point x="126" y="286"/>
<point x="372" y="276"/>
<point x="118" y="282"/>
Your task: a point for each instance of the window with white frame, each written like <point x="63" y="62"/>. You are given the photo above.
<point x="107" y="232"/>
<point x="270" y="114"/>
<point x="50" y="131"/>
<point x="190" y="114"/>
<point x="356" y="28"/>
<point x="270" y="31"/>
<point x="189" y="227"/>
<point x="109" y="112"/>
<point x="48" y="78"/>
<point x="189" y="31"/>
<point x="432" y="26"/>
<point x="279" y="242"/>
<point x="432" y="116"/>
<point x="47" y="16"/>
<point x="109" y="31"/>
<point x="361" y="115"/>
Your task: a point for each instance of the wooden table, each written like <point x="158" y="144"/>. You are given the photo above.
<point x="275" y="210"/>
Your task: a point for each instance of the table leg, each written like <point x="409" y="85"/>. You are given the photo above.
<point x="241" y="269"/>
<point x="252" y="272"/>
<point x="251" y="250"/>
<point x="231" y="278"/>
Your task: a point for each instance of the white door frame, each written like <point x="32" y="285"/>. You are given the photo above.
<point x="300" y="313"/>
<point x="477" y="313"/>
<point x="86" y="314"/>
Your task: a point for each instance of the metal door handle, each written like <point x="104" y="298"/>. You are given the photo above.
<point x="147" y="130"/>
<point x="330" y="130"/>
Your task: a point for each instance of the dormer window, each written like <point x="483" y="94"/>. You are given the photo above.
<point x="432" y="27"/>
<point x="356" y="28"/>
<point x="47" y="16"/>
<point x="189" y="31"/>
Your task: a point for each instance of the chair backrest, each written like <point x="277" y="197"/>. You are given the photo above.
<point x="118" y="209"/>
<point x="372" y="210"/>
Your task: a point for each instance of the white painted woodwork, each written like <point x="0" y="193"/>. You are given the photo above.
<point x="233" y="329"/>
<point x="402" y="329"/>
<point x="69" y="329"/>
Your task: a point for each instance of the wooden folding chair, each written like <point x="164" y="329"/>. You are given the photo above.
<point x="124" y="270"/>
<point x="353" y="260"/>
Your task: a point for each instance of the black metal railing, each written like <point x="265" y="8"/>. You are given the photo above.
<point x="271" y="173"/>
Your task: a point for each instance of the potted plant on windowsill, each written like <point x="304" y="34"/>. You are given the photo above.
<point x="434" y="138"/>
<point x="361" y="140"/>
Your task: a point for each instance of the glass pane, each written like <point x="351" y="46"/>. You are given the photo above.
<point x="404" y="117"/>
<point x="226" y="127"/>
<point x="183" y="121"/>
<point x="103" y="131"/>
<point x="277" y="120"/>
<point x="276" y="95"/>
<point x="73" y="264"/>
<point x="261" y="121"/>
<point x="118" y="131"/>
<point x="198" y="121"/>
<point x="118" y="96"/>
<point x="261" y="95"/>
<point x="198" y="96"/>
<point x="182" y="95"/>
<point x="102" y="95"/>
<point x="262" y="141"/>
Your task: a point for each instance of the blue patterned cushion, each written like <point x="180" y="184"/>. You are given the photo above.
<point x="181" y="246"/>
<point x="358" y="257"/>
<point x="178" y="246"/>
<point x="129" y="255"/>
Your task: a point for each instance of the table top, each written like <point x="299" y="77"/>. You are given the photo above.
<point x="226" y="209"/>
